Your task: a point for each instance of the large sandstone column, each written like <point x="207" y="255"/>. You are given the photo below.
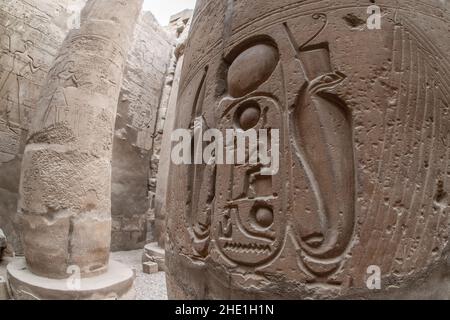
<point x="167" y="126"/>
<point x="65" y="193"/>
<point x="360" y="205"/>
<point x="160" y="173"/>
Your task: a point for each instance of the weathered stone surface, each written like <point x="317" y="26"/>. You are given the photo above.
<point x="136" y="127"/>
<point x="364" y="138"/>
<point x="251" y="68"/>
<point x="150" y="267"/>
<point x="65" y="203"/>
<point x="180" y="25"/>
<point x="31" y="33"/>
<point x="115" y="284"/>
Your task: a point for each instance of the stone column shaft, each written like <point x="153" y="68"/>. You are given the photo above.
<point x="65" y="191"/>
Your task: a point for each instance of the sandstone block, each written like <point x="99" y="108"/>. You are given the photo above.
<point x="150" y="267"/>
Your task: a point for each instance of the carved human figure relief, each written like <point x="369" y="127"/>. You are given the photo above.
<point x="57" y="98"/>
<point x="23" y="66"/>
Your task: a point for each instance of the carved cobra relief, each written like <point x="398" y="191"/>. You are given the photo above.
<point x="322" y="142"/>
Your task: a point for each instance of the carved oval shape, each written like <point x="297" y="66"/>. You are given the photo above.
<point x="264" y="217"/>
<point x="248" y="115"/>
<point x="251" y="68"/>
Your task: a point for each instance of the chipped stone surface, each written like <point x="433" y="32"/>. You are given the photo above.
<point x="31" y="33"/>
<point x="364" y="137"/>
<point x="154" y="253"/>
<point x="364" y="125"/>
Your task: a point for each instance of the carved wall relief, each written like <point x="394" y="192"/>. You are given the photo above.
<point x="250" y="208"/>
<point x="321" y="137"/>
<point x="363" y="118"/>
<point x="201" y="178"/>
<point x="23" y="66"/>
<point x="249" y="217"/>
<point x="30" y="34"/>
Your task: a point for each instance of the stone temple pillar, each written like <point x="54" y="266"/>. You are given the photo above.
<point x="360" y="204"/>
<point x="154" y="251"/>
<point x="65" y="192"/>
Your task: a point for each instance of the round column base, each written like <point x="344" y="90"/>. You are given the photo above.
<point x="115" y="284"/>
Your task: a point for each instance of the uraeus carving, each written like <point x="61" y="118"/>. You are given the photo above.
<point x="322" y="142"/>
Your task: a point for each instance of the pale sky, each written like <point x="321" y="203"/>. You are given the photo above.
<point x="163" y="9"/>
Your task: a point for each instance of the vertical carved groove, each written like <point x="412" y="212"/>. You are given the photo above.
<point x="198" y="215"/>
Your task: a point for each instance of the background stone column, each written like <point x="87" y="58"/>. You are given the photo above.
<point x="65" y="192"/>
<point x="180" y="25"/>
<point x="166" y="126"/>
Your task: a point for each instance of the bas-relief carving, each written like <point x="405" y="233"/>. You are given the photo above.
<point x="22" y="66"/>
<point x="321" y="135"/>
<point x="247" y="210"/>
<point x="29" y="38"/>
<point x="201" y="182"/>
<point x="57" y="97"/>
<point x="310" y="208"/>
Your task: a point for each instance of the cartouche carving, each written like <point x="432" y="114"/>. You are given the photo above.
<point x="249" y="225"/>
<point x="249" y="214"/>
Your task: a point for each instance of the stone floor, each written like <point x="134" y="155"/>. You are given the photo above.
<point x="148" y="287"/>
